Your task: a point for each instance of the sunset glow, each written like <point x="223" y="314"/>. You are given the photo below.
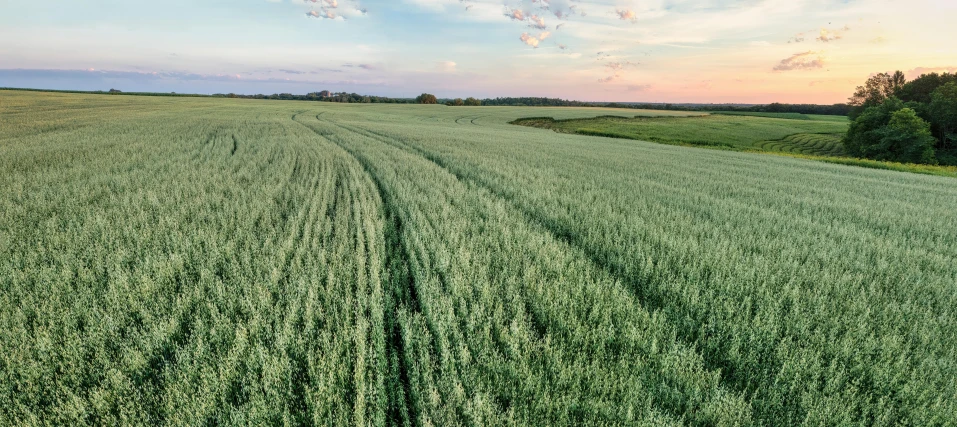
<point x="741" y="51"/>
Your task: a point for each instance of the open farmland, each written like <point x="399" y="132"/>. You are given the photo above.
<point x="790" y="133"/>
<point x="214" y="261"/>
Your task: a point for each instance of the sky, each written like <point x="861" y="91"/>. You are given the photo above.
<point x="702" y="51"/>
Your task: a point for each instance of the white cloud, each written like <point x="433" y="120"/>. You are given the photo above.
<point x="446" y="66"/>
<point x="801" y="61"/>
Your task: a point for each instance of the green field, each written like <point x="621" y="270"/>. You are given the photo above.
<point x="792" y="116"/>
<point x="806" y="143"/>
<point x="191" y="261"/>
<point x="790" y="133"/>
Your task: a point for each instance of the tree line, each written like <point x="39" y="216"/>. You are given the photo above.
<point x="776" y="107"/>
<point x="911" y="122"/>
<point x="354" y="98"/>
<point x="323" y="96"/>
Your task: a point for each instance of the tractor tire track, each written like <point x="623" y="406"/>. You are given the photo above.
<point x="568" y="237"/>
<point x="400" y="297"/>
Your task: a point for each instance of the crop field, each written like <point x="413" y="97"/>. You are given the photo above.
<point x="807" y="143"/>
<point x="792" y="133"/>
<point x="793" y="116"/>
<point x="180" y="261"/>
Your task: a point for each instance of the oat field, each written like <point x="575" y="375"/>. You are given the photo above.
<point x="186" y="261"/>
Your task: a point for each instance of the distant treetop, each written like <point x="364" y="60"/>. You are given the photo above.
<point x="426" y="98"/>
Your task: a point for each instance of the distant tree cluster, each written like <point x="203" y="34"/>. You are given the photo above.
<point x="467" y="102"/>
<point x="836" y="109"/>
<point x="323" y="96"/>
<point x="426" y="98"/>
<point x="914" y="122"/>
<point x="535" y="102"/>
<point x="831" y="110"/>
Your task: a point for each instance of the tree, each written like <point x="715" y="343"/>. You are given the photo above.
<point x="472" y="102"/>
<point x="906" y="138"/>
<point x="943" y="113"/>
<point x="458" y="102"/>
<point x="921" y="88"/>
<point x="863" y="130"/>
<point x="426" y="98"/>
<point x="875" y="91"/>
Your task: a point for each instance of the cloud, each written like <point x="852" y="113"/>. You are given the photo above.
<point x="111" y="74"/>
<point x="917" y="72"/>
<point x="801" y="61"/>
<point x="330" y="9"/>
<point x="533" y="20"/>
<point x="446" y="66"/>
<point x="323" y="14"/>
<point x="291" y="71"/>
<point x="798" y="38"/>
<point x="530" y="40"/>
<point x="615" y="68"/>
<point x="626" y="15"/>
<point x="369" y="67"/>
<point x="826" y="35"/>
<point x="332" y="4"/>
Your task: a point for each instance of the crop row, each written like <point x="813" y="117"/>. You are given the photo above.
<point x="820" y="292"/>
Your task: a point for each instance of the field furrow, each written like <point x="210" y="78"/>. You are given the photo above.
<point x="220" y="270"/>
<point x="466" y="326"/>
<point x="658" y="264"/>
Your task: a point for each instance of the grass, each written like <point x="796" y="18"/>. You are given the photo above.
<point x="725" y="131"/>
<point x="215" y="261"/>
<point x="938" y="170"/>
<point x="812" y="137"/>
<point x="806" y="143"/>
<point x="790" y="116"/>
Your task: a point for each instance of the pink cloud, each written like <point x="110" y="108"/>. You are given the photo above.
<point x="917" y="72"/>
<point x="516" y="14"/>
<point x="801" y="61"/>
<point x="626" y="15"/>
<point x="533" y="41"/>
<point x="826" y="35"/>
